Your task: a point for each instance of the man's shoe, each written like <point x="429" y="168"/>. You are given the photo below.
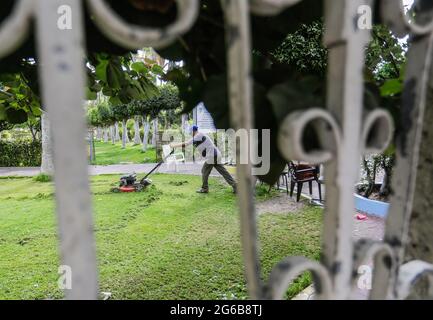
<point x="235" y="189"/>
<point x="202" y="190"/>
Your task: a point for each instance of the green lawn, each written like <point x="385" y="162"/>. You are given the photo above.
<point x="165" y="243"/>
<point x="107" y="153"/>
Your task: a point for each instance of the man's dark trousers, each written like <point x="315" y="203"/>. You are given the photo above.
<point x="206" y="170"/>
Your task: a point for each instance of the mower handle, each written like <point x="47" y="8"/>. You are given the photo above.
<point x="158" y="165"/>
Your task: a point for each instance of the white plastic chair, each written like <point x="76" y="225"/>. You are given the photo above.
<point x="175" y="158"/>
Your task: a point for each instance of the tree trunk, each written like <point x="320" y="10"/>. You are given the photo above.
<point x="184" y="122"/>
<point x="370" y="182"/>
<point x="92" y="145"/>
<point x="113" y="134"/>
<point x="385" y="188"/>
<point x="117" y="133"/>
<point x="47" y="164"/>
<point x="137" y="138"/>
<point x="32" y="131"/>
<point x="155" y="131"/>
<point x="146" y="126"/>
<point x="98" y="134"/>
<point x="124" y="134"/>
<point x="105" y="135"/>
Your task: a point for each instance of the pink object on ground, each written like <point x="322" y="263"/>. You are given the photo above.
<point x="360" y="216"/>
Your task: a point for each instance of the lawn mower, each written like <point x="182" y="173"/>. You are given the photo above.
<point x="128" y="183"/>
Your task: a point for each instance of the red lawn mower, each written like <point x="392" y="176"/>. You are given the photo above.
<point x="128" y="183"/>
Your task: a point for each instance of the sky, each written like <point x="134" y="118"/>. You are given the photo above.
<point x="408" y="2"/>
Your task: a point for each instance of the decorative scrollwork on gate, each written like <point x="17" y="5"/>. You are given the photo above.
<point x="14" y="29"/>
<point x="136" y="37"/>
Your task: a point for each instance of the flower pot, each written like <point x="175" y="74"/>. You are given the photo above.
<point x="371" y="207"/>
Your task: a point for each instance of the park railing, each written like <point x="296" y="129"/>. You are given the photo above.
<point x="345" y="129"/>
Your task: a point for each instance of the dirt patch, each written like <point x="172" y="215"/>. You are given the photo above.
<point x="377" y="196"/>
<point x="375" y="193"/>
<point x="281" y="203"/>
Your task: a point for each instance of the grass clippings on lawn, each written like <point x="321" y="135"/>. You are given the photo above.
<point x="165" y="243"/>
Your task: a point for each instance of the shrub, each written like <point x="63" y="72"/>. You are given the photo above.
<point x="42" y="178"/>
<point x="20" y="153"/>
<point x="5" y="135"/>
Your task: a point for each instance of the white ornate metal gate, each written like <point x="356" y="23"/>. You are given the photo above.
<point x="345" y="129"/>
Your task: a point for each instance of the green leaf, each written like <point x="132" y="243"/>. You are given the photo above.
<point x="133" y="92"/>
<point x="391" y="87"/>
<point x="101" y="70"/>
<point x="106" y="91"/>
<point x="115" y="77"/>
<point x="36" y="111"/>
<point x="90" y="95"/>
<point x="115" y="101"/>
<point x="96" y="87"/>
<point x="2" y="112"/>
<point x="175" y="75"/>
<point x="157" y="69"/>
<point x="139" y="67"/>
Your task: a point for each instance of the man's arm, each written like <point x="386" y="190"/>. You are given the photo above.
<point x="180" y="145"/>
<point x="176" y="145"/>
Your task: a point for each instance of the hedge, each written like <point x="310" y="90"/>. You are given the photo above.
<point x="20" y="153"/>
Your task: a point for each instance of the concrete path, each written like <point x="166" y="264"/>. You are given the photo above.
<point x="183" y="168"/>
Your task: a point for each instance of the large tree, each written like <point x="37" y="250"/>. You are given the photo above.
<point x="122" y="113"/>
<point x="106" y="118"/>
<point x="166" y="99"/>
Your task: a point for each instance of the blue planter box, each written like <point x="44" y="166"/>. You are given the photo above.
<point x="371" y="207"/>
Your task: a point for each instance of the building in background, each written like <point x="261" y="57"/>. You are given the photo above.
<point x="203" y="119"/>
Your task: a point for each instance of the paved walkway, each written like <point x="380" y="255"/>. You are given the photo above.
<point x="183" y="168"/>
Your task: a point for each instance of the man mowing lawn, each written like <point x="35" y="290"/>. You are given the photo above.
<point x="210" y="152"/>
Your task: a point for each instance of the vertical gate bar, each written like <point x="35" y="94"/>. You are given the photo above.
<point x="420" y="246"/>
<point x="61" y="69"/>
<point x="407" y="154"/>
<point x="345" y="102"/>
<point x="237" y="26"/>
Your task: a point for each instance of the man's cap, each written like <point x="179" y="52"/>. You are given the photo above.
<point x="194" y="128"/>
